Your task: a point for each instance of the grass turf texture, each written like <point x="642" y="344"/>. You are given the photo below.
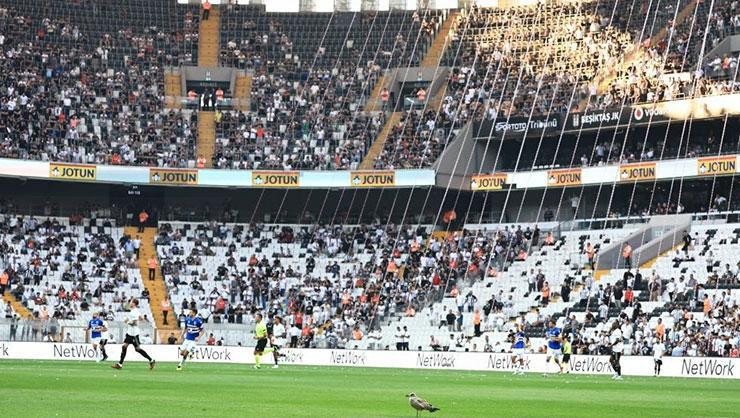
<point x="82" y="389"/>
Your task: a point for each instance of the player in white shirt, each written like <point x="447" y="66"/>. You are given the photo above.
<point x="616" y="340"/>
<point x="658" y="351"/>
<point x="277" y="339"/>
<point x="132" y="335"/>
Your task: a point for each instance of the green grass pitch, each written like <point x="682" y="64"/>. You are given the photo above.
<point x="86" y="389"/>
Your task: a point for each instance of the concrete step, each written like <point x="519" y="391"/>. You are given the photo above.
<point x="206" y="137"/>
<point x="157" y="287"/>
<point x="439" y="45"/>
<point x="209" y="38"/>
<point x="377" y="147"/>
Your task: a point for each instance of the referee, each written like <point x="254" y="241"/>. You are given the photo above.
<point x="260" y="334"/>
<point x="567" y="352"/>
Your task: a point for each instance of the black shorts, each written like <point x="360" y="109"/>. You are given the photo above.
<point x="261" y="344"/>
<point x="566" y="358"/>
<point x="616" y="356"/>
<point x="658" y="361"/>
<point x="132" y="339"/>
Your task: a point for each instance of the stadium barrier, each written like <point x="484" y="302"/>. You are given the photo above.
<point x="726" y="165"/>
<point x="703" y="367"/>
<point x="156" y="176"/>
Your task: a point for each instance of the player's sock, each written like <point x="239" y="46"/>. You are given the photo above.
<point x="123" y="354"/>
<point x="269" y="350"/>
<point x="182" y="359"/>
<point x="257" y="359"/>
<point x="144" y="354"/>
<point x="618" y="369"/>
<point x="275" y="356"/>
<point x="102" y="351"/>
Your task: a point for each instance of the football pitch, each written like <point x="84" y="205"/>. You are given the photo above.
<point x="86" y="389"/>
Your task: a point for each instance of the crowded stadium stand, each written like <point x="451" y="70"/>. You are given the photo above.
<point x="62" y="269"/>
<point x="496" y="297"/>
<point x="690" y="290"/>
<point x="85" y="84"/>
<point x="306" y="95"/>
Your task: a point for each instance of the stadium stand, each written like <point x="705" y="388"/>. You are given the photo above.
<point x="498" y="297"/>
<point x="245" y="140"/>
<point x="255" y="39"/>
<point x="638" y="144"/>
<point x="692" y="293"/>
<point x="306" y="98"/>
<point x="86" y="85"/>
<point x="61" y="269"/>
<point x="675" y="67"/>
<point x="506" y="63"/>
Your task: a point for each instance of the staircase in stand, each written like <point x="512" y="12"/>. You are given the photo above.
<point x="18" y="307"/>
<point x="243" y="92"/>
<point x="206" y="136"/>
<point x="374" y="102"/>
<point x="441" y="40"/>
<point x="377" y="147"/>
<point x="172" y="90"/>
<point x="208" y="39"/>
<point x="157" y="288"/>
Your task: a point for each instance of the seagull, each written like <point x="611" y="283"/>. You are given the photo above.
<point x="420" y="404"/>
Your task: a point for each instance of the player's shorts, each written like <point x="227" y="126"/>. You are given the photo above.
<point x="188" y="345"/>
<point x="658" y="360"/>
<point x="132" y="339"/>
<point x="261" y="344"/>
<point x="96" y="340"/>
<point x="518" y="352"/>
<point x="566" y="358"/>
<point x="554" y="352"/>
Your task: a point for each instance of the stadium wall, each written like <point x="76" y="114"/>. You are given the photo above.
<point x="718" y="368"/>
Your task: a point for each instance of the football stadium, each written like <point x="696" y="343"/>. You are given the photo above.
<point x="369" y="208"/>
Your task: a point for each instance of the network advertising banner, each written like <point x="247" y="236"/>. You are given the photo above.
<point x="702" y="367"/>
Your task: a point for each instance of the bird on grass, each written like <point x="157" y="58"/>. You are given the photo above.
<point x="420" y="404"/>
